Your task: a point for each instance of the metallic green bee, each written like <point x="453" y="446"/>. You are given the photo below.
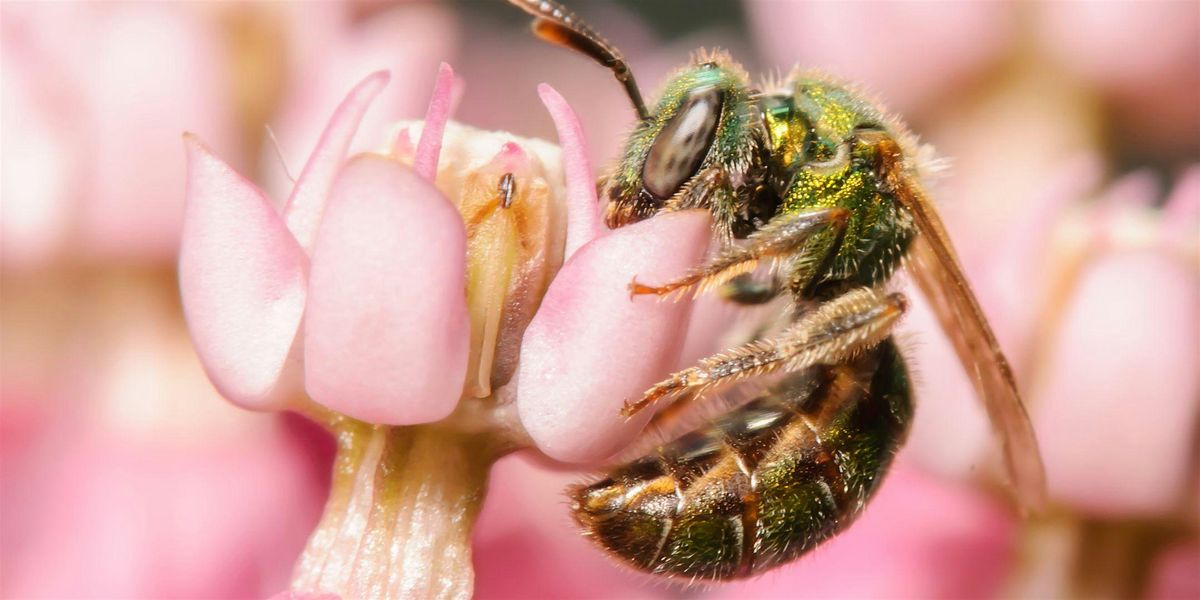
<point x="820" y="187"/>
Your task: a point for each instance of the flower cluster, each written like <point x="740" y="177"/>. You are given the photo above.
<point x="112" y="436"/>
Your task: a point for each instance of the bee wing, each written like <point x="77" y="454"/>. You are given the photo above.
<point x="935" y="268"/>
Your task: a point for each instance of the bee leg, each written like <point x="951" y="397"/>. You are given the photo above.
<point x="802" y="238"/>
<point x="746" y="290"/>
<point x="830" y="334"/>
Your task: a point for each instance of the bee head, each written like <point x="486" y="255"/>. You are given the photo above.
<point x="697" y="137"/>
<point x="692" y="151"/>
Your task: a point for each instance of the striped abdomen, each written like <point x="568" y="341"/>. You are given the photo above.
<point x="762" y="484"/>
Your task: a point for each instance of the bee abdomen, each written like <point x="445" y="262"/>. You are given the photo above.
<point x="762" y="484"/>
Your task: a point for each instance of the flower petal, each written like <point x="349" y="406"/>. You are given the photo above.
<point x="1120" y="216"/>
<point x="1017" y="270"/>
<point x="583" y="210"/>
<point x="591" y="346"/>
<point x="40" y="180"/>
<point x="1181" y="214"/>
<point x="950" y="415"/>
<point x="386" y="327"/>
<point x="307" y="202"/>
<point x="1123" y="370"/>
<point x="970" y="34"/>
<point x="241" y="275"/>
<point x="440" y="106"/>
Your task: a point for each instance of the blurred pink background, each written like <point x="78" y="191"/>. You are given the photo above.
<point x="1072" y="133"/>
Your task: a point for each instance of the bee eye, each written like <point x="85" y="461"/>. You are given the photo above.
<point x="681" y="146"/>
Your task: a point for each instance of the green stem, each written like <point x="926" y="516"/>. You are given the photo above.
<point x="399" y="516"/>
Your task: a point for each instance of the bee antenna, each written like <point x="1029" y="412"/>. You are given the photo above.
<point x="555" y="24"/>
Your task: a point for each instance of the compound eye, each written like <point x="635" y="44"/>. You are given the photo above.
<point x="682" y="145"/>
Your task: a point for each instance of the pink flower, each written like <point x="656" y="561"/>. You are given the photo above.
<point x="116" y="461"/>
<point x="1096" y="306"/>
<point x="126" y="477"/>
<point x="110" y="431"/>
<point x="329" y="48"/>
<point x="89" y="116"/>
<point x="886" y="46"/>
<point x="95" y="93"/>
<point x="1126" y="326"/>
<point x="399" y="299"/>
<point x="1153" y="87"/>
<point x="385" y="322"/>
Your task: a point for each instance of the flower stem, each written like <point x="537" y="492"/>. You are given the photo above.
<point x="399" y="516"/>
<point x="1068" y="556"/>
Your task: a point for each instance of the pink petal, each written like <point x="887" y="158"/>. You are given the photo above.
<point x="457" y="88"/>
<point x="171" y="75"/>
<point x="1135" y="191"/>
<point x="583" y="210"/>
<point x="1103" y="43"/>
<point x="401" y="147"/>
<point x="1017" y="269"/>
<point x="950" y="432"/>
<point x="510" y="158"/>
<point x="1122" y="385"/>
<point x="241" y="275"/>
<point x="307" y="202"/>
<point x="1129" y="196"/>
<point x="969" y="36"/>
<point x="440" y="105"/>
<point x="591" y="346"/>
<point x="333" y="47"/>
<point x="196" y="512"/>
<point x="527" y="546"/>
<point x="40" y="180"/>
<point x="386" y="327"/>
<point x="1181" y="214"/>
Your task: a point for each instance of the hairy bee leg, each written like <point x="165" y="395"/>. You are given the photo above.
<point x="745" y="290"/>
<point x="808" y="237"/>
<point x="832" y="333"/>
<point x="699" y="190"/>
<point x="705" y="190"/>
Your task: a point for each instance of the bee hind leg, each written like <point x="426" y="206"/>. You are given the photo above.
<point x="807" y="237"/>
<point x="832" y="333"/>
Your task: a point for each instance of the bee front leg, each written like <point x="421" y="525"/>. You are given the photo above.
<point x="803" y="238"/>
<point x="832" y="333"/>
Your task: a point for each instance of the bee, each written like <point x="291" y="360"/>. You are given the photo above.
<point x="816" y="199"/>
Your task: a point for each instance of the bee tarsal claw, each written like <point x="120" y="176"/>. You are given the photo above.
<point x="640" y="289"/>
